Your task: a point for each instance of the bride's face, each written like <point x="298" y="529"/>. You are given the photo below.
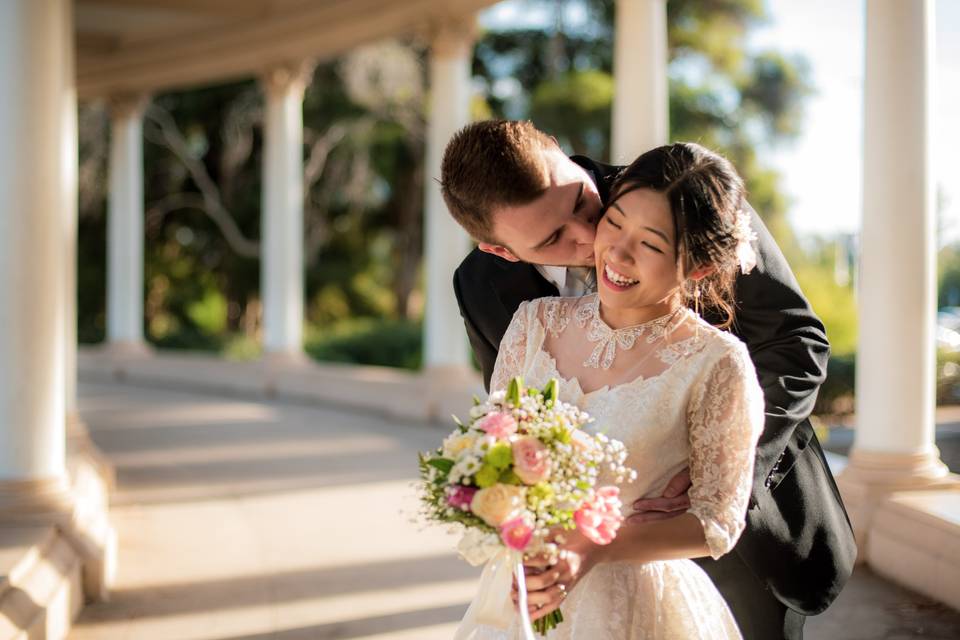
<point x="636" y="253"/>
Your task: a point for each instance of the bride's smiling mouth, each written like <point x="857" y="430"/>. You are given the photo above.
<point x="615" y="280"/>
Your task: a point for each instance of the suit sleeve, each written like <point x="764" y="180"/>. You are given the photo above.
<point x="483" y="348"/>
<point x="787" y="343"/>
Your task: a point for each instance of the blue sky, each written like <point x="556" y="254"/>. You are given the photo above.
<point x="822" y="168"/>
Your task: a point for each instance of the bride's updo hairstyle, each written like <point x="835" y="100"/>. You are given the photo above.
<point x="705" y="194"/>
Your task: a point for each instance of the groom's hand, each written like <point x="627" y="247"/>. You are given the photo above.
<point x="672" y="503"/>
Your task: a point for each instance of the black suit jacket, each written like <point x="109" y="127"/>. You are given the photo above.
<point x="798" y="539"/>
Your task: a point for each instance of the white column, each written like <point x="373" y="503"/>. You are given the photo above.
<point x="33" y="36"/>
<point x="125" y="226"/>
<point x="897" y="303"/>
<point x="281" y="270"/>
<point x="447" y="243"/>
<point x="641" y="99"/>
<point x="69" y="152"/>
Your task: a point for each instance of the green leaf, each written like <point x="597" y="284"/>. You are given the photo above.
<point x="443" y="464"/>
<point x="510" y="477"/>
<point x="514" y="391"/>
<point x="476" y="400"/>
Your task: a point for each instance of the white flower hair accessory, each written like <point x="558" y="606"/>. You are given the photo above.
<point x="745" y="236"/>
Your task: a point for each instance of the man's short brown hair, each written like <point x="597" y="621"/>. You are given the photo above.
<point x="493" y="164"/>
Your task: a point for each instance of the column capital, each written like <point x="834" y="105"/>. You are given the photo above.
<point x="452" y="35"/>
<point x="127" y="105"/>
<point x="286" y="76"/>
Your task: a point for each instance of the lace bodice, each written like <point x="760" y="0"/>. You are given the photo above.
<point x="690" y="399"/>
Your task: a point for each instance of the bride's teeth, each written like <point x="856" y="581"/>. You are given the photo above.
<point x="616" y="278"/>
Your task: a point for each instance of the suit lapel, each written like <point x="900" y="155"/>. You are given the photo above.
<point x="516" y="282"/>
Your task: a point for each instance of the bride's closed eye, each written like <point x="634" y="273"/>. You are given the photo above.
<point x="647" y="244"/>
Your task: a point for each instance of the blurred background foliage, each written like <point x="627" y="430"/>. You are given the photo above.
<point x="364" y="129"/>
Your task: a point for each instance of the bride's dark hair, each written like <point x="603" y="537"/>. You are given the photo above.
<point x="705" y="194"/>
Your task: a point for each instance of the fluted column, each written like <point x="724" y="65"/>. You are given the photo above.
<point x="125" y="239"/>
<point x="33" y="188"/>
<point x="894" y="442"/>
<point x="281" y="270"/>
<point x="445" y="346"/>
<point x="641" y="100"/>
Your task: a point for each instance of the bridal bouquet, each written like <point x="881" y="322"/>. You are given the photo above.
<point x="521" y="470"/>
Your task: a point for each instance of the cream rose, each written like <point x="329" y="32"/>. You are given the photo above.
<point x="496" y="504"/>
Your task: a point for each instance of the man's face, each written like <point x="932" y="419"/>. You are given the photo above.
<point x="559" y="227"/>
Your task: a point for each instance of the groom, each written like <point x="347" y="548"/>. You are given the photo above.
<point x="533" y="212"/>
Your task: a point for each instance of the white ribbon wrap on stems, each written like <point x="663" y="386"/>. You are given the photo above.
<point x="492" y="605"/>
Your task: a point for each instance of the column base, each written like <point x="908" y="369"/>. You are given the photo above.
<point x="81" y="447"/>
<point x="76" y="506"/>
<point x="276" y="363"/>
<point x="127" y="349"/>
<point x="35" y="501"/>
<point x="871" y="477"/>
<point x="285" y="359"/>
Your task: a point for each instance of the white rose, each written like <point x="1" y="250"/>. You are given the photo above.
<point x="457" y="442"/>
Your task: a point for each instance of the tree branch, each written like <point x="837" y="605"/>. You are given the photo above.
<point x="172" y="138"/>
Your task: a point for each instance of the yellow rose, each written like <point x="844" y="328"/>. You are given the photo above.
<point x="496" y="504"/>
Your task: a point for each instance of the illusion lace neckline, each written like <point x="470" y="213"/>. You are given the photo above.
<point x="590" y="308"/>
<point x="609" y="339"/>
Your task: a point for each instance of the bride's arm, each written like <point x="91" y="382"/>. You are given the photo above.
<point x="725" y="418"/>
<point x="672" y="539"/>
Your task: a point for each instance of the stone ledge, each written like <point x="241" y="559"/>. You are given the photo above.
<point x="41" y="589"/>
<point x="396" y="393"/>
<point x="915" y="541"/>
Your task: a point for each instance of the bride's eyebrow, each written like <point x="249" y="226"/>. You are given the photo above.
<point x="614" y="205"/>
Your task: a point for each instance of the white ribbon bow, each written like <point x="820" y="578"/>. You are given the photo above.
<point x="492" y="605"/>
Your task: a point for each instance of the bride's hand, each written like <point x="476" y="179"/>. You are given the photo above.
<point x="548" y="585"/>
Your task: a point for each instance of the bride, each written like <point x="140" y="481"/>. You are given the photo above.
<point x="678" y="391"/>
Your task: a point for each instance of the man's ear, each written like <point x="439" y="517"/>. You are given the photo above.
<point x="498" y="250"/>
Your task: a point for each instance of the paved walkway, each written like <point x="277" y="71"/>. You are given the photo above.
<point x="249" y="520"/>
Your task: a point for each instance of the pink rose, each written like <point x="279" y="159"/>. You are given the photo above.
<point x="531" y="461"/>
<point x="460" y="497"/>
<point x="600" y="519"/>
<point x="516" y="534"/>
<point x="498" y="424"/>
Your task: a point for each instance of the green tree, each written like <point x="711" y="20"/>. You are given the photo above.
<point x="720" y="94"/>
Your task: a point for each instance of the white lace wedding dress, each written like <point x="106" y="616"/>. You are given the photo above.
<point x="677" y="392"/>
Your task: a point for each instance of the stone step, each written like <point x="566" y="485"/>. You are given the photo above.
<point x="915" y="541"/>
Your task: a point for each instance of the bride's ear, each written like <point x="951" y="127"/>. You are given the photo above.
<point x="498" y="250"/>
<point x="699" y="273"/>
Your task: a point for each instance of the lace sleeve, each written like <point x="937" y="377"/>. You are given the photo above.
<point x="513" y="349"/>
<point x="725" y="421"/>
